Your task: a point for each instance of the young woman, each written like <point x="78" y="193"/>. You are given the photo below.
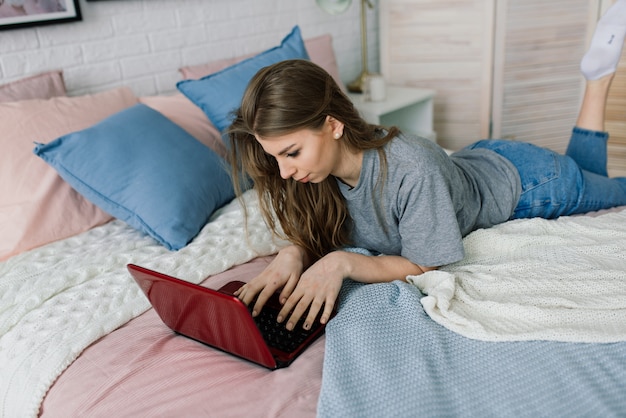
<point x="327" y="180"/>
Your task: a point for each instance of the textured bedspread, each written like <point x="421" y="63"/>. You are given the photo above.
<point x="551" y="281"/>
<point x="385" y="357"/>
<point x="55" y="301"/>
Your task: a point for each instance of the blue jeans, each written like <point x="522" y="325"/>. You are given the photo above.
<point x="555" y="185"/>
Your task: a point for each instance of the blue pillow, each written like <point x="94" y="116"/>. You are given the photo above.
<point x="219" y="94"/>
<point x="142" y="168"/>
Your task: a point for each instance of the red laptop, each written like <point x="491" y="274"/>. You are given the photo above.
<point x="219" y="319"/>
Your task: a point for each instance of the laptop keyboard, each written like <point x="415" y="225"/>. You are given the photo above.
<point x="277" y="336"/>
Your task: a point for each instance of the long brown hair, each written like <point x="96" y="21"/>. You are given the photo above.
<point x="281" y="99"/>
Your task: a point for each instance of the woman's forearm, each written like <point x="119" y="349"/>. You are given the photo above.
<point x="375" y="269"/>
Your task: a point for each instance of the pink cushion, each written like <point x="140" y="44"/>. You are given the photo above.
<point x="40" y="86"/>
<point x="320" y="51"/>
<point x="180" y="110"/>
<point x="36" y="205"/>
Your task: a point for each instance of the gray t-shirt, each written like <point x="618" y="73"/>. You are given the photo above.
<point x="430" y="200"/>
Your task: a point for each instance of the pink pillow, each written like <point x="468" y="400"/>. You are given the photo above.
<point x="320" y="51"/>
<point x="36" y="205"/>
<point x="180" y="110"/>
<point x="40" y="86"/>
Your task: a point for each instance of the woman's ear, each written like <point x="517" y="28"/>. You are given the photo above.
<point x="336" y="126"/>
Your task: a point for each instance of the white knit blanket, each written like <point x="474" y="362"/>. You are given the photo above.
<point x="562" y="280"/>
<point x="57" y="300"/>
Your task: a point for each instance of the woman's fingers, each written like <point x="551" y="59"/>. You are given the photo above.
<point x="288" y="289"/>
<point x="314" y="310"/>
<point x="298" y="311"/>
<point x="288" y="306"/>
<point x="301" y="305"/>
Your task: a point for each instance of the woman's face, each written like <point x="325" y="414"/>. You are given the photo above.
<point x="307" y="155"/>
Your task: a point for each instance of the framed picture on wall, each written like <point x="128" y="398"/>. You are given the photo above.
<point x="24" y="13"/>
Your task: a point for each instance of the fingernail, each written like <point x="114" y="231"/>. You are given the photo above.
<point x="279" y="319"/>
<point x="290" y="326"/>
<point x="307" y="326"/>
<point x="254" y="313"/>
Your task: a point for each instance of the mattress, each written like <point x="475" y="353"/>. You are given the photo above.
<point x="78" y="338"/>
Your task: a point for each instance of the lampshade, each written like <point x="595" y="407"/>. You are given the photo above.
<point x="334" y="7"/>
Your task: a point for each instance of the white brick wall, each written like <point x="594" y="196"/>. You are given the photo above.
<point x="142" y="43"/>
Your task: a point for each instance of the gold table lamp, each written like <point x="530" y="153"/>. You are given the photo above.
<point x="334" y="7"/>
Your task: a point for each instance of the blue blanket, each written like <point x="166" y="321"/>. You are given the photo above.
<point x="385" y="357"/>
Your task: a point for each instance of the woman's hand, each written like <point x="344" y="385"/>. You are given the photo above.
<point x="317" y="289"/>
<point x="320" y="284"/>
<point x="283" y="272"/>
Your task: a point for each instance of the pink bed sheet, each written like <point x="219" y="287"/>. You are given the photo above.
<point x="143" y="369"/>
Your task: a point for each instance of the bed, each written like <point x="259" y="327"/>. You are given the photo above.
<point x="531" y="323"/>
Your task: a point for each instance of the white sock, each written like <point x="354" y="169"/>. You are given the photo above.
<point x="605" y="50"/>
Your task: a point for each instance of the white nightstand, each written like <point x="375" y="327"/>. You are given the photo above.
<point x="408" y="108"/>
